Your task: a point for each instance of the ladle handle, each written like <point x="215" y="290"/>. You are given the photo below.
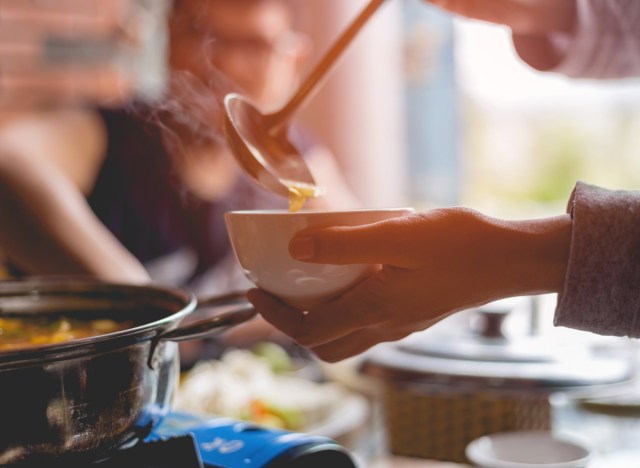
<point x="282" y="117"/>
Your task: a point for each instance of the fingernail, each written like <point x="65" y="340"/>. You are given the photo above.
<point x="302" y="248"/>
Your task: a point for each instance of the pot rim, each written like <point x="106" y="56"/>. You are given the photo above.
<point x="91" y="289"/>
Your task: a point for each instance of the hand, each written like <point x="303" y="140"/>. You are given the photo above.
<point x="432" y="264"/>
<point x="532" y="23"/>
<point x="527" y="17"/>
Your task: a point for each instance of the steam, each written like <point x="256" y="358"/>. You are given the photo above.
<point x="190" y="111"/>
<point x="191" y="108"/>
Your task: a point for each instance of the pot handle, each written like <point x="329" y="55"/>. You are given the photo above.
<point x="218" y="323"/>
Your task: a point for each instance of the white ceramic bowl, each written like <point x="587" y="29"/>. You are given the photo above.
<point x="526" y="449"/>
<point x="260" y="240"/>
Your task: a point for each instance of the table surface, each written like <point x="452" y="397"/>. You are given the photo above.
<point x="405" y="462"/>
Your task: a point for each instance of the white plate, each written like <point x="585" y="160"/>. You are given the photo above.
<point x="346" y="417"/>
<point x="526" y="449"/>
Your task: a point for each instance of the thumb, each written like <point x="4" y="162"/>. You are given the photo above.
<point x="379" y="242"/>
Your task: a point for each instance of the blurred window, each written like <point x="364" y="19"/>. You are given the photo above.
<point x="485" y="130"/>
<point x="431" y="97"/>
<point x="528" y="136"/>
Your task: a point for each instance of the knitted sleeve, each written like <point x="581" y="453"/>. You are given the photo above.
<point x="602" y="285"/>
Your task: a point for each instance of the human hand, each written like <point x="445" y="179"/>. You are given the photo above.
<point x="533" y="24"/>
<point x="527" y="17"/>
<point x="432" y="264"/>
<point x="75" y="51"/>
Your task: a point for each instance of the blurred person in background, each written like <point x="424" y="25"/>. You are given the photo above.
<point x="137" y="193"/>
<point x="61" y="54"/>
<point x="438" y="262"/>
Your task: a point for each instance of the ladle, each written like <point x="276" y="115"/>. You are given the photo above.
<point x="260" y="142"/>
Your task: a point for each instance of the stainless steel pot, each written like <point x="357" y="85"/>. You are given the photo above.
<point x="77" y="401"/>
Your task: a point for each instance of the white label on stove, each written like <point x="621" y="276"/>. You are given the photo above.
<point x="222" y="446"/>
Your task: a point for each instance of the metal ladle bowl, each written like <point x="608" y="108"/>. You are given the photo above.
<point x="260" y="142"/>
<point x="268" y="157"/>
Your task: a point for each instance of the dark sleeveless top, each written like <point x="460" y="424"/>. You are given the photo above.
<point x="140" y="200"/>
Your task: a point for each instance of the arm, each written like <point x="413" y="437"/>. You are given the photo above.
<point x="47" y="226"/>
<point x="442" y="261"/>
<point x="433" y="264"/>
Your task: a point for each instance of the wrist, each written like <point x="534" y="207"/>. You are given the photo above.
<point x="531" y="256"/>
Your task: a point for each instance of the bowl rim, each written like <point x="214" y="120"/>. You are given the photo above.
<point x="307" y="212"/>
<point x="476" y="453"/>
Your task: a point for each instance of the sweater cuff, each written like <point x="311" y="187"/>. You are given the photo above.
<point x="602" y="286"/>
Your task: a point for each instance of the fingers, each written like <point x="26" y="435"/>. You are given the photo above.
<point x="522" y="16"/>
<point x="325" y="323"/>
<point x="306" y="328"/>
<point x="330" y="339"/>
<point x="384" y="242"/>
<point x="277" y="313"/>
<point x="355" y="343"/>
<point x="362" y="340"/>
<point x="494" y="11"/>
<point x="331" y="336"/>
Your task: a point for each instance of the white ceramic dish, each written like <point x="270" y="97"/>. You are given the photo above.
<point x="527" y="449"/>
<point x="348" y="416"/>
<point x="260" y="240"/>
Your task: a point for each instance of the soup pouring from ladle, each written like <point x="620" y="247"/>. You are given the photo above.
<point x="260" y="142"/>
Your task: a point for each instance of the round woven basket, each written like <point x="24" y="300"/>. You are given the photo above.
<point x="438" y="423"/>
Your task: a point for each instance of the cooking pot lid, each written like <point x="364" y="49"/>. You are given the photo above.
<point x="476" y="348"/>
<point x="485" y="355"/>
<point x="481" y="338"/>
<point x="392" y="363"/>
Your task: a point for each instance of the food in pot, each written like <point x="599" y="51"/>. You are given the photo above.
<point x="38" y="330"/>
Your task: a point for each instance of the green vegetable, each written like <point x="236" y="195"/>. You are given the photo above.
<point x="277" y="357"/>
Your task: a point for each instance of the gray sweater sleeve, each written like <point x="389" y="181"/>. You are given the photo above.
<point x="602" y="286"/>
